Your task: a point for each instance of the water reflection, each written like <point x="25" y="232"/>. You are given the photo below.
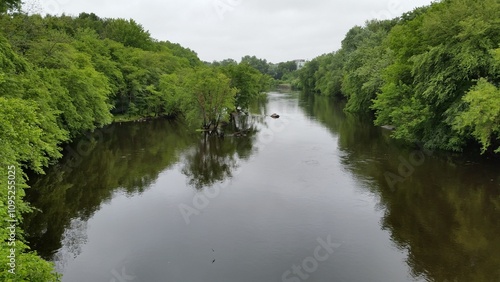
<point x="213" y="159"/>
<point x="443" y="213"/>
<point x="445" y="209"/>
<point x="126" y="158"/>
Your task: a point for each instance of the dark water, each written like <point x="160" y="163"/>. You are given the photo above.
<point x="313" y="196"/>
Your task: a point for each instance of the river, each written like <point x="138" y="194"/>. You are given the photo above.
<point x="316" y="195"/>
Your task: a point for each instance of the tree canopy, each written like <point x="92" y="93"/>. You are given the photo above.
<point x="432" y="73"/>
<point x="6" y="5"/>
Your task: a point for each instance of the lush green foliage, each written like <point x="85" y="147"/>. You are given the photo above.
<point x="283" y="70"/>
<point x="93" y="65"/>
<point x="482" y="116"/>
<point x="206" y="96"/>
<point x="6" y="5"/>
<point x="250" y="66"/>
<point x="260" y="64"/>
<point x="29" y="138"/>
<point x="63" y="76"/>
<point x="248" y="81"/>
<point x="433" y="73"/>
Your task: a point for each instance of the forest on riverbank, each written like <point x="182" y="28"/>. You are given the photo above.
<point x="64" y="76"/>
<point x="432" y="73"/>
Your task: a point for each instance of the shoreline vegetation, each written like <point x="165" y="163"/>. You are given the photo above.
<point x="62" y="76"/>
<point x="432" y="73"/>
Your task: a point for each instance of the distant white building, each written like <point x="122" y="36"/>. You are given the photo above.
<point x="300" y="63"/>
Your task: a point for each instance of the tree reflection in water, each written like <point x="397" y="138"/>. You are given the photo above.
<point x="445" y="214"/>
<point x="214" y="158"/>
<point x="128" y="160"/>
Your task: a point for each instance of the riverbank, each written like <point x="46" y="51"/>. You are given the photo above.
<point x="424" y="73"/>
<point x="138" y="118"/>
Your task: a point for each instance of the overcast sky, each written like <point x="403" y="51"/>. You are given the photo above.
<point x="276" y="30"/>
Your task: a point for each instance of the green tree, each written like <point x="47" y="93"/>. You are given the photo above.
<point x="330" y="74"/>
<point x="128" y="32"/>
<point x="248" y="81"/>
<point x="364" y="66"/>
<point x="482" y="115"/>
<point x="307" y="76"/>
<point x="414" y="71"/>
<point x="224" y="63"/>
<point x="7" y="5"/>
<point x="207" y="96"/>
<point x="439" y="55"/>
<point x="282" y="69"/>
<point x="78" y="90"/>
<point x="29" y="139"/>
<point x="259" y="64"/>
<point x="20" y="85"/>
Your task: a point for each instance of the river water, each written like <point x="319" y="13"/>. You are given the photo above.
<point x="316" y="195"/>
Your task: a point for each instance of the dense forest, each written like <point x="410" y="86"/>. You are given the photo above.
<point x="63" y="76"/>
<point x="432" y="73"/>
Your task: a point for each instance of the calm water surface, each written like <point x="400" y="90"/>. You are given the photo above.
<point x="312" y="196"/>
